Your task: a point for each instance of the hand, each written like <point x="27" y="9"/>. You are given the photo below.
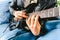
<point x="19" y="15"/>
<point x="34" y="24"/>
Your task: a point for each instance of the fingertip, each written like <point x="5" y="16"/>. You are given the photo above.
<point x="37" y="16"/>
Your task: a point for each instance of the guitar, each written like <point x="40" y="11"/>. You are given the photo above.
<point x="48" y="14"/>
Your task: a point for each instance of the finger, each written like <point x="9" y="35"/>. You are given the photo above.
<point x="28" y="21"/>
<point x="21" y="13"/>
<point x="36" y="21"/>
<point x="24" y="16"/>
<point x="38" y="26"/>
<point x="32" y="19"/>
<point x="19" y="18"/>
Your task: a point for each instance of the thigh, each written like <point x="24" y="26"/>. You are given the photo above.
<point x="25" y="36"/>
<point x="53" y="35"/>
<point x="54" y="24"/>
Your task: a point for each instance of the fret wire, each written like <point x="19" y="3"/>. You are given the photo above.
<point x="48" y="13"/>
<point x="53" y="12"/>
<point x="44" y="13"/>
<point x="59" y="11"/>
<point x="56" y="10"/>
<point x="41" y="14"/>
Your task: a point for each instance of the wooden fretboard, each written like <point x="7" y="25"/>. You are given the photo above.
<point x="52" y="12"/>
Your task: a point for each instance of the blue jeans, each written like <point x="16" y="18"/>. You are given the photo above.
<point x="53" y="34"/>
<point x="5" y="33"/>
<point x="24" y="35"/>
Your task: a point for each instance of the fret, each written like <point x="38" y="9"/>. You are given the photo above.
<point x="56" y="11"/>
<point x="53" y="12"/>
<point x="59" y="11"/>
<point x="44" y="14"/>
<point x="50" y="12"/>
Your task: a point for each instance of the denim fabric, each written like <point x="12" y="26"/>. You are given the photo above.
<point x="25" y="36"/>
<point x="53" y="35"/>
<point x="4" y="11"/>
<point x="51" y="26"/>
<point x="5" y="33"/>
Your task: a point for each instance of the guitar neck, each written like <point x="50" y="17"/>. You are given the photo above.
<point x="52" y="12"/>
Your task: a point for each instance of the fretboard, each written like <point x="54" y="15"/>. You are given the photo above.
<point x="52" y="12"/>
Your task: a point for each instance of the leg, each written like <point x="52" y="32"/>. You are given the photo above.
<point x="50" y="25"/>
<point x="53" y="35"/>
<point x="25" y="36"/>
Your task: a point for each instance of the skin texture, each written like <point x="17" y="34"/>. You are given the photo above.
<point x="31" y="21"/>
<point x="33" y="24"/>
<point x="19" y="15"/>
